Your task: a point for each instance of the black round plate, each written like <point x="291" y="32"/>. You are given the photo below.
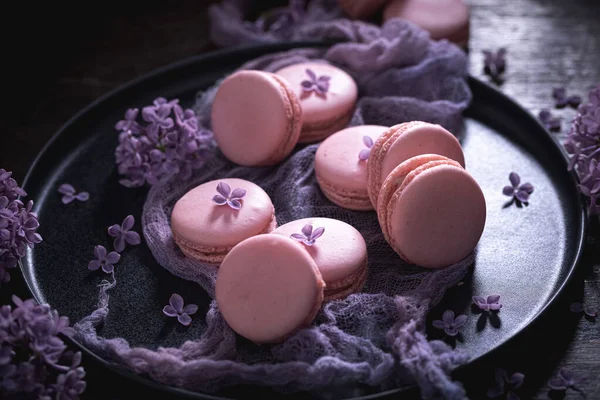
<point x="525" y="255"/>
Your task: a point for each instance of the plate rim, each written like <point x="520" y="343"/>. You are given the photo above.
<point x="269" y="48"/>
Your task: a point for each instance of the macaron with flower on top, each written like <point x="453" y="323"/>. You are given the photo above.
<point x="327" y="96"/>
<point x="341" y="166"/>
<point x="209" y="220"/>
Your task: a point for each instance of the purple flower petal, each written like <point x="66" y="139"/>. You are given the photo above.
<point x="576" y="307"/>
<point x="528" y="187"/>
<point x="311" y="74"/>
<point x="113" y="257"/>
<point x="324" y="79"/>
<point x="516" y="380"/>
<point x="478" y="300"/>
<point x="108" y="268"/>
<point x="368" y="141"/>
<point x="307" y="85"/>
<point x="501" y="377"/>
<point x="177" y="302"/>
<point x="559" y="93"/>
<point x="83" y="196"/>
<point x="224" y="189"/>
<point x="298" y="237"/>
<point x="94" y="265"/>
<point x="493" y="299"/>
<point x="100" y="252"/>
<point x="307" y="230"/>
<point x="317" y="233"/>
<point x="119" y="243"/>
<point x="184" y="319"/>
<point x="522" y="196"/>
<point x="235" y="204"/>
<point x="67" y="198"/>
<point x="238" y="194"/>
<point x="114" y="230"/>
<point x="448" y="317"/>
<point x="590" y="312"/>
<point x="495" y="307"/>
<point x="133" y="238"/>
<point x="460" y="321"/>
<point x="508" y="191"/>
<point x="170" y="311"/>
<point x="364" y="154"/>
<point x="66" y="188"/>
<point x="438" y="324"/>
<point x="128" y="223"/>
<point x="190" y="309"/>
<point x="219" y="199"/>
<point x="515" y="179"/>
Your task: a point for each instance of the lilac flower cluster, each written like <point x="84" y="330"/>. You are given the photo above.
<point x="168" y="143"/>
<point x="34" y="363"/>
<point x="18" y="225"/>
<point x="583" y="143"/>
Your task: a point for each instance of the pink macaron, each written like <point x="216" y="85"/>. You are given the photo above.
<point x="443" y="19"/>
<point x="268" y="288"/>
<point x="327" y="96"/>
<point x="431" y="211"/>
<point x="209" y="220"/>
<point x="406" y="140"/>
<point x="256" y="118"/>
<point x="361" y="8"/>
<point x="341" y="166"/>
<point x="338" y="249"/>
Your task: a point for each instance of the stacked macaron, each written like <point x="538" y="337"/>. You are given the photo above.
<point x="431" y="210"/>
<point x="270" y="286"/>
<point x="258" y="117"/>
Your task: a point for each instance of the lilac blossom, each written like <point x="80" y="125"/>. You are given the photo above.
<point x="309" y="235"/>
<point x="226" y="196"/>
<point x="176" y="308"/>
<point x="168" y="143"/>
<point x="449" y="324"/>
<point x="124" y="235"/>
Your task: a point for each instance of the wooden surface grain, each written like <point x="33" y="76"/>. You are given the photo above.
<point x="57" y="64"/>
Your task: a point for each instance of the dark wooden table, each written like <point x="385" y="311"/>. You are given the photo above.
<point x="57" y="63"/>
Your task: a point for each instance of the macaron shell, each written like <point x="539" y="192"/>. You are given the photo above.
<point x="256" y="118"/>
<point x="212" y="255"/>
<point x="442" y="18"/>
<point x="395" y="179"/>
<point x="437" y="216"/>
<point x="361" y="8"/>
<point x="267" y="298"/>
<point x="322" y="114"/>
<point x="404" y="141"/>
<point x="196" y="219"/>
<point x="339" y="253"/>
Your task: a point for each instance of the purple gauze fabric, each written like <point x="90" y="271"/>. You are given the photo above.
<point x="375" y="338"/>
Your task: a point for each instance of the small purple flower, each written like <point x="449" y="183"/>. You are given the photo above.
<point x="226" y="196"/>
<point x="519" y="192"/>
<point x="69" y="194"/>
<point x="365" y="153"/>
<point x="308" y="235"/>
<point x="566" y="380"/>
<point x="9" y="187"/>
<point x="104" y="260"/>
<point x="175" y="308"/>
<point x="449" y="324"/>
<point x="320" y="84"/>
<point x="492" y="303"/>
<point x="506" y="385"/>
<point x="494" y="64"/>
<point x="129" y="124"/>
<point x="578" y="308"/>
<point x="550" y="122"/>
<point x="123" y="234"/>
<point x="562" y="100"/>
